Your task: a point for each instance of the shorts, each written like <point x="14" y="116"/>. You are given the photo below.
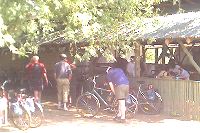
<point x="36" y="85"/>
<point x="121" y="91"/>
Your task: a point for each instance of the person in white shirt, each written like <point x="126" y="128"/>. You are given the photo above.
<point x="131" y="72"/>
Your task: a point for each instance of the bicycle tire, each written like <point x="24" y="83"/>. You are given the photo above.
<point x="131" y="106"/>
<point x="36" y="116"/>
<point x="21" y="121"/>
<point x="87" y="105"/>
<point x="152" y="107"/>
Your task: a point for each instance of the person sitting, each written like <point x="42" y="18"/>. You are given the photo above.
<point x="164" y="73"/>
<point x="179" y="72"/>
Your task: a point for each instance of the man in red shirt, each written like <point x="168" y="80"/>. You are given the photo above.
<point x="36" y="74"/>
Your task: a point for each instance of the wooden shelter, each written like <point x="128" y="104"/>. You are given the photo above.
<point x="178" y="30"/>
<point x="180" y="97"/>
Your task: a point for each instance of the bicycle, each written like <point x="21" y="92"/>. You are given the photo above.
<point x="35" y="109"/>
<point x="21" y="104"/>
<point x="17" y="110"/>
<point x="149" y="100"/>
<point x="90" y="102"/>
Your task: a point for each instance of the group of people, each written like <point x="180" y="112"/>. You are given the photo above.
<point x="119" y="77"/>
<point x="173" y="71"/>
<point x="37" y="78"/>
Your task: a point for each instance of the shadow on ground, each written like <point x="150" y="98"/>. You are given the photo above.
<point x="53" y="116"/>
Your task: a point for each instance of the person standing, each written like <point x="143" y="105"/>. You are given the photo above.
<point x="131" y="72"/>
<point x="119" y="85"/>
<point x="143" y="67"/>
<point x="36" y="73"/>
<point x="62" y="75"/>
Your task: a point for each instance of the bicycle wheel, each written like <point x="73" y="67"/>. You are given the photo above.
<point x="87" y="105"/>
<point x="21" y="119"/>
<point x="152" y="107"/>
<point x="36" y="116"/>
<point x="131" y="106"/>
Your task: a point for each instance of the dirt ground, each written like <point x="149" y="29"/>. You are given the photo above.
<point x="64" y="121"/>
<point x="69" y="121"/>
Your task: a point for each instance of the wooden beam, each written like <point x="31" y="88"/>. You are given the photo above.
<point x="190" y="57"/>
<point x="186" y="55"/>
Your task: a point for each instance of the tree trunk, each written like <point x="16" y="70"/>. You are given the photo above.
<point x="137" y="61"/>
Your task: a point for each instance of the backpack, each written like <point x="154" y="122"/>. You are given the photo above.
<point x="36" y="72"/>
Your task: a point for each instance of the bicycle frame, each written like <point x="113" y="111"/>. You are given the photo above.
<point x="149" y="101"/>
<point x="89" y="103"/>
<point x="140" y="95"/>
<point x="99" y="97"/>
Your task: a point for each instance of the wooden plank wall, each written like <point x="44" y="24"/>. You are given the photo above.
<point x="180" y="97"/>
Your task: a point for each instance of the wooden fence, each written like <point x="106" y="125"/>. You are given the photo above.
<point x="180" y="97"/>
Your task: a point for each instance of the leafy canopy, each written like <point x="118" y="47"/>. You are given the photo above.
<point x="104" y="24"/>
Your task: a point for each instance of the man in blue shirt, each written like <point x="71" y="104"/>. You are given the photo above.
<point x="119" y="85"/>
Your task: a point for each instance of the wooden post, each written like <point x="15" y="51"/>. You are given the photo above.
<point x="190" y="57"/>
<point x="156" y="55"/>
<point x="137" y="61"/>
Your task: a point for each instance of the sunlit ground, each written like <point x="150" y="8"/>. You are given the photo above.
<point x="62" y="121"/>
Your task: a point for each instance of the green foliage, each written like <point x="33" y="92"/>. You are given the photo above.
<point x="26" y="24"/>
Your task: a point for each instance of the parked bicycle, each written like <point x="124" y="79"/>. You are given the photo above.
<point x="35" y="109"/>
<point x="91" y="102"/>
<point x="148" y="99"/>
<point x="17" y="110"/>
<point x="22" y="109"/>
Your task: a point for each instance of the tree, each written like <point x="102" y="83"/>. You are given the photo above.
<point x="26" y="24"/>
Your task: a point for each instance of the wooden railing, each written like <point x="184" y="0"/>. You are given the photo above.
<point x="180" y="97"/>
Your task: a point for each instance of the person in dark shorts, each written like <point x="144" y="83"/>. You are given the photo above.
<point x="36" y="73"/>
<point x="119" y="85"/>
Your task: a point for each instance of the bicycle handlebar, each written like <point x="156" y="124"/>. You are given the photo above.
<point x="4" y="83"/>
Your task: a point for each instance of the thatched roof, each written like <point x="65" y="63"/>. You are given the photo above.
<point x="174" y="26"/>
